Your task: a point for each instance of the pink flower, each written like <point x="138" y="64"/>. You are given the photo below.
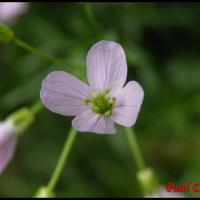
<point x="104" y="101"/>
<point x="8" y="141"/>
<point x="10" y="10"/>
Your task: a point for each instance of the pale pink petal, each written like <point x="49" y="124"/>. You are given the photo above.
<point x="64" y="94"/>
<point x="7" y="143"/>
<point x="89" y="121"/>
<point x="7" y="129"/>
<point x="7" y="150"/>
<point x="10" y="10"/>
<point x="106" y="66"/>
<point x="128" y="103"/>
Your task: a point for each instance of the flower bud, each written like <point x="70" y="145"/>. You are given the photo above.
<point x="22" y="119"/>
<point x="148" y="181"/>
<point x="6" y="34"/>
<point x="44" y="192"/>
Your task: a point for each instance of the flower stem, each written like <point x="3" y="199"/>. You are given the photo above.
<point x="36" y="51"/>
<point x="37" y="107"/>
<point x="63" y="158"/>
<point x="145" y="175"/>
<point x="135" y="150"/>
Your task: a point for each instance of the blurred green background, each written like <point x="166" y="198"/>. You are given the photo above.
<point x="161" y="42"/>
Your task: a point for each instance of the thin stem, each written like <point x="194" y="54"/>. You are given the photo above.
<point x="43" y="54"/>
<point x="91" y="18"/>
<point x="37" y="107"/>
<point x="36" y="51"/>
<point x="62" y="160"/>
<point x="132" y="140"/>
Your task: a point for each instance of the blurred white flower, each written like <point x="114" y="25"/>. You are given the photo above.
<point x="8" y="139"/>
<point x="162" y="193"/>
<point x="10" y="10"/>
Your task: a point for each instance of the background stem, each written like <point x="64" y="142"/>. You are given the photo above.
<point x="91" y="18"/>
<point x="34" y="50"/>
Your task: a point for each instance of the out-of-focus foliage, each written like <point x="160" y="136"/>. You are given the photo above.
<point x="162" y="45"/>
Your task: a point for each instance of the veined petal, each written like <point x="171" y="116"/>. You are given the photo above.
<point x="89" y="121"/>
<point x="106" y="66"/>
<point x="64" y="94"/>
<point x="128" y="103"/>
<point x="6" y="152"/>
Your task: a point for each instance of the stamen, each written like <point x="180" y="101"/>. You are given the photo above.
<point x="95" y="109"/>
<point x="107" y="113"/>
<point x="106" y="91"/>
<point x="95" y="95"/>
<point x="101" y="103"/>
<point x="112" y="101"/>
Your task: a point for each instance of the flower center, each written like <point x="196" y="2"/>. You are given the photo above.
<point x="101" y="103"/>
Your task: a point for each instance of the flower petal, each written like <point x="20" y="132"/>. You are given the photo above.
<point x="89" y="121"/>
<point x="128" y="103"/>
<point x="6" y="152"/>
<point x="63" y="93"/>
<point x="10" y="10"/>
<point x="106" y="66"/>
<point x="7" y="130"/>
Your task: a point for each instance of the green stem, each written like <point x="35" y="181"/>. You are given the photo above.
<point x="135" y="150"/>
<point x="43" y="54"/>
<point x="37" y="107"/>
<point x="63" y="157"/>
<point x="36" y="51"/>
<point x="91" y="18"/>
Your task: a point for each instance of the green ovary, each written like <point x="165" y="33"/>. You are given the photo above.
<point x="101" y="103"/>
